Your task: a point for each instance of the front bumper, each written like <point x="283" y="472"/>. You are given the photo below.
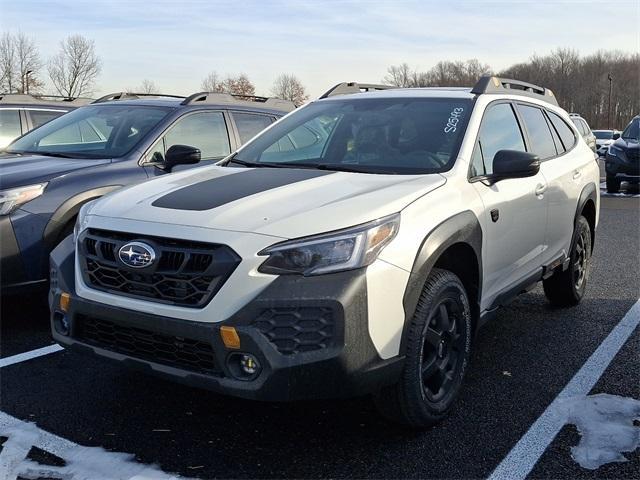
<point x="310" y="336"/>
<point x="12" y="273"/>
<point x="23" y="254"/>
<point x="625" y="169"/>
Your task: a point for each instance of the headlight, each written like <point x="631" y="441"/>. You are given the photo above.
<point x="14" y="197"/>
<point x="81" y="220"/>
<point x="332" y="252"/>
<point x="615" y="151"/>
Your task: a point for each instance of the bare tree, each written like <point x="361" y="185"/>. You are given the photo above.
<point x="74" y="70"/>
<point x="289" y="87"/>
<point x="238" y="85"/>
<point x="399" y="75"/>
<point x="212" y="83"/>
<point x="28" y="64"/>
<point x="148" y="86"/>
<point x="581" y="84"/>
<point x="444" y="74"/>
<point x="7" y="62"/>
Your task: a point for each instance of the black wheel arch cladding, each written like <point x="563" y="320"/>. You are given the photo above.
<point x="461" y="231"/>
<point x="587" y="207"/>
<point x="68" y="210"/>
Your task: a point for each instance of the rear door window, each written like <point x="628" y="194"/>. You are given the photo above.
<point x="500" y="130"/>
<point x="539" y="134"/>
<point x="10" y="126"/>
<point x="249" y="124"/>
<point x="39" y="117"/>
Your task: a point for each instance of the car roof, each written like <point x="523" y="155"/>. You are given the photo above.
<point x="25" y="100"/>
<point x="40" y="106"/>
<point x="422" y="92"/>
<point x="177" y="104"/>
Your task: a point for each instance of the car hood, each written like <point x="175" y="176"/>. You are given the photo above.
<point x="19" y="170"/>
<point x="627" y="143"/>
<point x="280" y="202"/>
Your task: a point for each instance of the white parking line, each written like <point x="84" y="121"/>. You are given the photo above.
<point x="23" y="357"/>
<point x="524" y="455"/>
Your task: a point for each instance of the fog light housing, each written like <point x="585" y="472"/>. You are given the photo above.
<point x="61" y="323"/>
<point x="249" y="364"/>
<point x="243" y="366"/>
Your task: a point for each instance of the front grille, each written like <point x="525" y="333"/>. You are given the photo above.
<point x="184" y="273"/>
<point x="184" y="353"/>
<point x="297" y="330"/>
<point x="633" y="154"/>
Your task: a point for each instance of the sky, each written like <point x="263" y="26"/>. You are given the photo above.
<point x="177" y="43"/>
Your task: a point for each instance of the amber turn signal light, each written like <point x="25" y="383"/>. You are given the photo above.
<point x="230" y="337"/>
<point x="65" y="300"/>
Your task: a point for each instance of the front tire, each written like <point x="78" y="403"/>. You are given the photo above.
<point x="438" y="345"/>
<point x="566" y="288"/>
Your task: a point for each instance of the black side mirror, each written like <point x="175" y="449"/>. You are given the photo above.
<point x="180" y="155"/>
<point x="616" y="136"/>
<point x="514" y="164"/>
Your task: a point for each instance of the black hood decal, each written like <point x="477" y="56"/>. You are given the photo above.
<point x="228" y="188"/>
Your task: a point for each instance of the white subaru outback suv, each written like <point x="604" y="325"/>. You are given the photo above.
<point x="353" y="247"/>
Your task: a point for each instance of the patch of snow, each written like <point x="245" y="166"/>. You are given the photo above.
<point x="81" y="463"/>
<point x="605" y="424"/>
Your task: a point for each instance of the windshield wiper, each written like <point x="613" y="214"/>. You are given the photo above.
<point x="52" y="154"/>
<point x="246" y="163"/>
<point x="340" y="167"/>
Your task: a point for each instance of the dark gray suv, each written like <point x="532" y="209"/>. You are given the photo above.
<point x="121" y="139"/>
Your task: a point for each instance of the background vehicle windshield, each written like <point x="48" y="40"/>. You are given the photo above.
<point x="633" y="130"/>
<point x="104" y="131"/>
<point x="603" y="134"/>
<point x="391" y="135"/>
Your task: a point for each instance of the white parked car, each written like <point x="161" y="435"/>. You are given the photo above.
<point x="353" y="247"/>
<point x="604" y="138"/>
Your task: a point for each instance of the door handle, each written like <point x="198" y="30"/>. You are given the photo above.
<point x="540" y="189"/>
<point x="577" y="174"/>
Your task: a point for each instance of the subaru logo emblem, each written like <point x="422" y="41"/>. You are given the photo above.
<point x="136" y="254"/>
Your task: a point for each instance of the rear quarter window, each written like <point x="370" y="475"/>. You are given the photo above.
<point x="40" y="117"/>
<point x="564" y="131"/>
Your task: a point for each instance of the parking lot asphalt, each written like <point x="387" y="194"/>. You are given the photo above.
<point x="521" y="361"/>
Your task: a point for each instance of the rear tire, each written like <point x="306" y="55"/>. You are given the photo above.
<point x="613" y="184"/>
<point x="566" y="288"/>
<point x="438" y="344"/>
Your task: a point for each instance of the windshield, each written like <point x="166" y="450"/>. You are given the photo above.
<point x="633" y="130"/>
<point x="603" y="134"/>
<point x="374" y="135"/>
<point x="104" y="131"/>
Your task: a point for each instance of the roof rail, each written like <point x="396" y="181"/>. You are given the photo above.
<point x="133" y="96"/>
<point x="346" y="88"/>
<point x="41" y="99"/>
<point x="215" y="97"/>
<point x="491" y="84"/>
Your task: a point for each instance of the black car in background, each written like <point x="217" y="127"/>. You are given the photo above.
<point x="121" y="139"/>
<point x="622" y="163"/>
<point x="20" y="113"/>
